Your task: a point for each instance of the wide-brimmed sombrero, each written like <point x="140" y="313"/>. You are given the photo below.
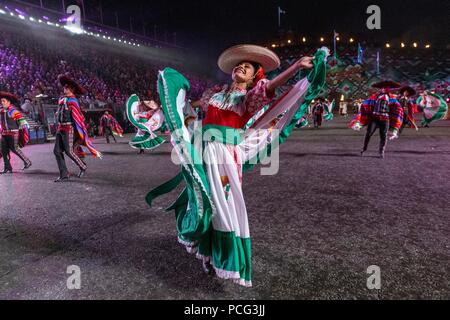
<point x="9" y="96"/>
<point x="408" y="89"/>
<point x="231" y="57"/>
<point x="65" y="80"/>
<point x="387" y="84"/>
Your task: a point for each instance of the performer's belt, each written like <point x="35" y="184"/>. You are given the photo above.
<point x="7" y="132"/>
<point x="225" y="135"/>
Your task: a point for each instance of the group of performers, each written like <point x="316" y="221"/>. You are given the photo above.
<point x="244" y="122"/>
<point x="391" y="113"/>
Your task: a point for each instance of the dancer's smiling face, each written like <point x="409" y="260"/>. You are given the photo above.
<point x="244" y="72"/>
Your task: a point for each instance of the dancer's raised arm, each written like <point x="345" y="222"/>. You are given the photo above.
<point x="282" y="78"/>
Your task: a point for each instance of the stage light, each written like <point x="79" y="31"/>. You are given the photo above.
<point x="415" y="44"/>
<point x="427" y="46"/>
<point x="337" y="38"/>
<point x="32" y="19"/>
<point x="304" y="39"/>
<point x="115" y="39"/>
<point x="289" y="41"/>
<point x="351" y="40"/>
<point x="74" y="29"/>
<point x="12" y="14"/>
<point x="322" y="39"/>
<point x="388" y="45"/>
<point x="49" y="23"/>
<point x="402" y="44"/>
<point x="57" y="25"/>
<point x="40" y="21"/>
<point x="21" y="17"/>
<point x="2" y="12"/>
<point x="273" y="45"/>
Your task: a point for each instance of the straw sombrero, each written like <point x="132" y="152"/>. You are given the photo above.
<point x="231" y="57"/>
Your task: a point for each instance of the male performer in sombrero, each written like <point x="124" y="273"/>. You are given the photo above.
<point x="14" y="132"/>
<point x="381" y="111"/>
<point x="408" y="104"/>
<point x="109" y="126"/>
<point x="71" y="129"/>
<point x="318" y="111"/>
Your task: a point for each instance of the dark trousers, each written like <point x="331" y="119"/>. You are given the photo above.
<point x="405" y="120"/>
<point x="64" y="145"/>
<point x="317" y="120"/>
<point x="10" y="143"/>
<point x="108" y="132"/>
<point x="371" y="128"/>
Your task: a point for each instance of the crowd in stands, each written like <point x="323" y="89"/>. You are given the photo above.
<point x="30" y="65"/>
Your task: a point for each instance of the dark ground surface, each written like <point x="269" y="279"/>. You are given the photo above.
<point x="316" y="226"/>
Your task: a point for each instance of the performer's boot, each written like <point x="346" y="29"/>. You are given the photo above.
<point x="62" y="179"/>
<point x="142" y="151"/>
<point x="27" y="166"/>
<point x="6" y="171"/>
<point x="207" y="267"/>
<point x="362" y="152"/>
<point x="81" y="174"/>
<point x="382" y="155"/>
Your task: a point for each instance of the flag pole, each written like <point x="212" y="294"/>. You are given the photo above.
<point x="378" y="62"/>
<point x="334" y="44"/>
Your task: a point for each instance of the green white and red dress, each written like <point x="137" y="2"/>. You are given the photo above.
<point x="146" y="123"/>
<point x="211" y="215"/>
<point x="434" y="108"/>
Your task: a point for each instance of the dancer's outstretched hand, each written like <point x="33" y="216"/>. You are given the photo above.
<point x="305" y="63"/>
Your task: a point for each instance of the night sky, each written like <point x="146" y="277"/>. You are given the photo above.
<point x="221" y="23"/>
<point x="209" y="26"/>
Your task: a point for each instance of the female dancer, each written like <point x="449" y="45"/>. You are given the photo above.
<point x="147" y="122"/>
<point x="211" y="213"/>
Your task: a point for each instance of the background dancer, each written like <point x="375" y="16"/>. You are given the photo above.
<point x="71" y="132"/>
<point x="381" y="111"/>
<point x="408" y="104"/>
<point x="109" y="126"/>
<point x="318" y="111"/>
<point x="14" y="132"/>
<point x="147" y="117"/>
